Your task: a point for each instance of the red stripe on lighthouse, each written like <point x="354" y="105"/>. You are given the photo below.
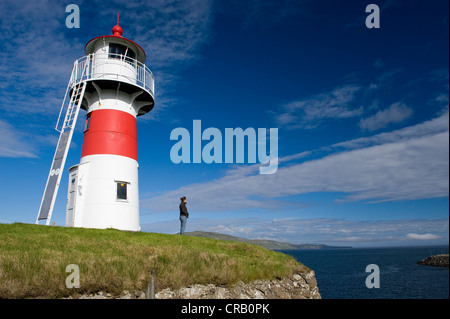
<point x="110" y="132"/>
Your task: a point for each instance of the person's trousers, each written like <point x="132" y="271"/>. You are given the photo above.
<point x="183" y="220"/>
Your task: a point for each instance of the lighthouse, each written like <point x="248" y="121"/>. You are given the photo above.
<point x="114" y="86"/>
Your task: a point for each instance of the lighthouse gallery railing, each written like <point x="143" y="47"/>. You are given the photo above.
<point x="92" y="67"/>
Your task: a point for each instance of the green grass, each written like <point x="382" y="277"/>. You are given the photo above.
<point x="33" y="260"/>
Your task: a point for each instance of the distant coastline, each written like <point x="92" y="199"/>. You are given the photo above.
<point x="268" y="244"/>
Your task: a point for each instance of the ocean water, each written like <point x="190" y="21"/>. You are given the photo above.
<point x="341" y="273"/>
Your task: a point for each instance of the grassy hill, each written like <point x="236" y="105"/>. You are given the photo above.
<point x="268" y="244"/>
<point x="33" y="260"/>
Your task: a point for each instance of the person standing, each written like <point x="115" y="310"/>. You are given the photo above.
<point x="184" y="215"/>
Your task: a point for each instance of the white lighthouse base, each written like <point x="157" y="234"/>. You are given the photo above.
<point x="103" y="193"/>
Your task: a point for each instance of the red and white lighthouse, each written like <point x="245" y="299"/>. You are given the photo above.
<point x="114" y="86"/>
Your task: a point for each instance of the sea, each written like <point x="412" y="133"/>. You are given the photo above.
<point x="341" y="273"/>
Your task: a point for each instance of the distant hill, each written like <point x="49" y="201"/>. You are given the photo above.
<point x="268" y="244"/>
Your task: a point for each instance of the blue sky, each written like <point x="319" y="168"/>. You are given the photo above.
<point x="362" y="114"/>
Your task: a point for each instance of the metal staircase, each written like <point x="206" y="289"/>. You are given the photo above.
<point x="76" y="92"/>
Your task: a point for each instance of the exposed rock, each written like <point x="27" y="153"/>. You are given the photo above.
<point x="297" y="286"/>
<point x="435" y="260"/>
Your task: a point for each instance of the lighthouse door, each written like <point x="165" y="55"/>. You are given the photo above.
<point x="71" y="196"/>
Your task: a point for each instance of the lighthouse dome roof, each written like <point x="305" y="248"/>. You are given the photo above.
<point x="117" y="37"/>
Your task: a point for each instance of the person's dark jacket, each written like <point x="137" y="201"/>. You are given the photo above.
<point x="183" y="210"/>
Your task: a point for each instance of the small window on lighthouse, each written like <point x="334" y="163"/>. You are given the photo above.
<point x="88" y="122"/>
<point x="121" y="190"/>
<point x="121" y="52"/>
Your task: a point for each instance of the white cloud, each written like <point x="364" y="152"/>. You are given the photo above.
<point x="431" y="127"/>
<point x="423" y="236"/>
<point x="12" y="142"/>
<point x="396" y="113"/>
<point x="309" y="113"/>
<point x="407" y="164"/>
<point x="170" y="32"/>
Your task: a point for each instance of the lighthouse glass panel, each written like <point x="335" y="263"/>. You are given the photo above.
<point x="121" y="52"/>
<point x="122" y="191"/>
<point x="88" y="122"/>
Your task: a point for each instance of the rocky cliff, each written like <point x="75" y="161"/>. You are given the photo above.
<point x="297" y="286"/>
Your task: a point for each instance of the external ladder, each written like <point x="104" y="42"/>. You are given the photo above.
<point x="76" y="92"/>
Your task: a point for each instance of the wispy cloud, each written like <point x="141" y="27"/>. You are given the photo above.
<point x="423" y="236"/>
<point x="362" y="101"/>
<point x="171" y="32"/>
<point x="13" y="143"/>
<point x="407" y="164"/>
<point x="36" y="58"/>
<point x="396" y="113"/>
<point x="431" y="127"/>
<point x="310" y="112"/>
<point x="39" y="50"/>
